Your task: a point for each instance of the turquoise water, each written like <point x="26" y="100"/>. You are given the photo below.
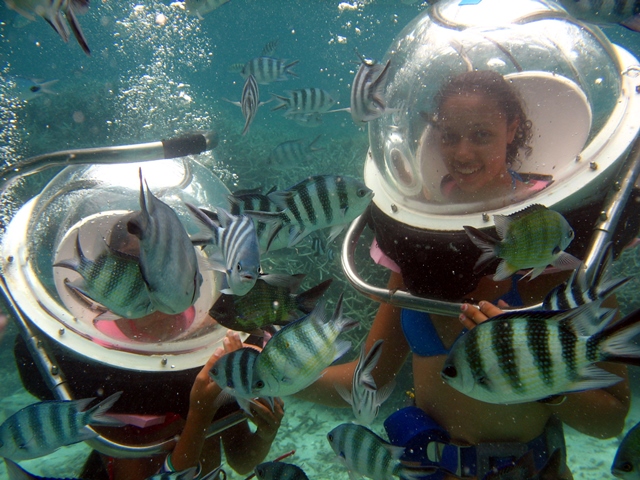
<point x="156" y="71"/>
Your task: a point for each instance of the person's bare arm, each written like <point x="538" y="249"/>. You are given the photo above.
<point x="386" y="326"/>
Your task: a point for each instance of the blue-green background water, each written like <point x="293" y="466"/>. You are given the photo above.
<point x="146" y="81"/>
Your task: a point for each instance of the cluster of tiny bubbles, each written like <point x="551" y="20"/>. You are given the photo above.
<point x="12" y="139"/>
<point x="159" y="46"/>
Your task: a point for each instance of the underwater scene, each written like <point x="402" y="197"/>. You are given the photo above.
<point x="250" y="135"/>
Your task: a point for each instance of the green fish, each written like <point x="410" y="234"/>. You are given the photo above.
<point x="113" y="280"/>
<point x="531" y="238"/>
<point x="297" y="354"/>
<point x="626" y="463"/>
<point x="267" y="304"/>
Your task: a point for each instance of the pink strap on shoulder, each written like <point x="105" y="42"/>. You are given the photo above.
<point x="380" y="258"/>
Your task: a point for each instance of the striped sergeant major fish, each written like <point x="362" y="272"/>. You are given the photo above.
<point x="578" y="290"/>
<point x="318" y="202"/>
<point x="364" y="453"/>
<point x="279" y="471"/>
<point x="365" y="398"/>
<point x="297" y="354"/>
<point x="42" y="428"/>
<point x="305" y="100"/>
<point x="267" y="304"/>
<point x="239" y="254"/>
<point x="622" y="12"/>
<point x="293" y="152"/>
<point x="168" y="259"/>
<point x="233" y="372"/>
<point x="249" y="102"/>
<point x="53" y="11"/>
<point x="525" y="357"/>
<point x="367" y="91"/>
<point x="113" y="280"/>
<point x="367" y="99"/>
<point x="266" y="68"/>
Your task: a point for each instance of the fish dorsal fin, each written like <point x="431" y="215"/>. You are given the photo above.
<point x="502" y="222"/>
<point x="269" y="49"/>
<point x="281" y="198"/>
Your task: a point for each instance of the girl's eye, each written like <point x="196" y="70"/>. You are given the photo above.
<point x="449" y="139"/>
<point x="482" y="136"/>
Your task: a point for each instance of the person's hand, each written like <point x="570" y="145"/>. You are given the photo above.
<point x="472" y="315"/>
<point x="232" y="342"/>
<point x="205" y="391"/>
<point x="267" y="421"/>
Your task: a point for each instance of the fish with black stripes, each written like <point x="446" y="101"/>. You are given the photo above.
<point x="249" y="102"/>
<point x="238" y="255"/>
<point x="530" y="356"/>
<point x="318" y="202"/>
<point x="305" y="101"/>
<point x="233" y="372"/>
<point x="367" y="91"/>
<point x="579" y="290"/>
<point x="53" y="11"/>
<point x="293" y="152"/>
<point x="168" y="260"/>
<point x="267" y="304"/>
<point x="605" y="12"/>
<point x="364" y="453"/>
<point x="41" y="428"/>
<point x="113" y="280"/>
<point x="266" y="68"/>
<point x="297" y="354"/>
<point x="365" y="398"/>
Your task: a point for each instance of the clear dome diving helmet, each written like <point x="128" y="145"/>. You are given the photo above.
<point x="579" y="91"/>
<point x="90" y="200"/>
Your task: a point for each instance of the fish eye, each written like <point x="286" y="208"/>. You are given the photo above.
<point x="259" y="384"/>
<point x="214" y="371"/>
<point x="362" y="192"/>
<point x="239" y="267"/>
<point x="626" y="467"/>
<point x="571" y="234"/>
<point x="330" y="437"/>
<point x="450" y="371"/>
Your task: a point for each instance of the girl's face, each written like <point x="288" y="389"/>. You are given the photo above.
<point x="474" y="135"/>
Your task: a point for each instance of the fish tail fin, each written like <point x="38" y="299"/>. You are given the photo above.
<point x="344" y="323"/>
<point x="284" y="101"/>
<point x="312" y="148"/>
<point x="368" y="362"/>
<point x="98" y="415"/>
<point x="603" y="285"/>
<point x="236" y="68"/>
<point x="75" y="28"/>
<point x="58" y="25"/>
<point x="45" y="87"/>
<point x="484" y="242"/>
<point x="78" y="259"/>
<point x="616" y="340"/>
<point x="307" y="300"/>
<point x="289" y="66"/>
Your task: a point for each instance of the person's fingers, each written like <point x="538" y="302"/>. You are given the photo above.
<point x="471" y="316"/>
<point x="489" y="309"/>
